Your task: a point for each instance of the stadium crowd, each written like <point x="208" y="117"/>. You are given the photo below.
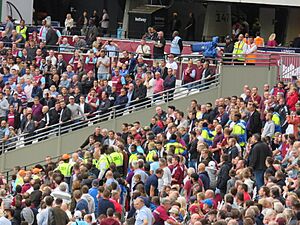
<point x="234" y="162"/>
<point x="39" y="88"/>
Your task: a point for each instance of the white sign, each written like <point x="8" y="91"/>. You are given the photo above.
<point x="25" y="8"/>
<point x="139" y="19"/>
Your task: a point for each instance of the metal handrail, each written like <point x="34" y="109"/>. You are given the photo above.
<point x="113" y="112"/>
<point x="58" y="48"/>
<point x="196" y="86"/>
<point x="256" y="57"/>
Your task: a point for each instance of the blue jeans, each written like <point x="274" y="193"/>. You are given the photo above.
<point x="259" y="178"/>
<point x="192" y="163"/>
<point x="103" y="76"/>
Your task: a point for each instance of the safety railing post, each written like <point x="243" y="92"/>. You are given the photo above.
<point x="280" y="69"/>
<point x="2" y="157"/>
<point x="7" y="176"/>
<point x="167" y="98"/>
<point x="59" y="140"/>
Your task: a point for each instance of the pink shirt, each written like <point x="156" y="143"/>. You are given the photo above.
<point x="158" y="85"/>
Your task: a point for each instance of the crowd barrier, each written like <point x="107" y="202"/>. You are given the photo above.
<point x="16" y="144"/>
<point x="131" y="45"/>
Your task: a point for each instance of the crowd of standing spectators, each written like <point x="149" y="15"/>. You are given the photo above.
<point x="232" y="162"/>
<point x="39" y="88"/>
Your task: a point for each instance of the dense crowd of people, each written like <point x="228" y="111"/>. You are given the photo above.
<point x="39" y="88"/>
<point x="234" y="162"/>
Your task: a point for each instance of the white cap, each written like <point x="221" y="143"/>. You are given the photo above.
<point x="77" y="214"/>
<point x="212" y="165"/>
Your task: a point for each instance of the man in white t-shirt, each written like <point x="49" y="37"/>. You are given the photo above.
<point x="171" y="63"/>
<point x="167" y="176"/>
<point x="149" y="83"/>
<point x="103" y="64"/>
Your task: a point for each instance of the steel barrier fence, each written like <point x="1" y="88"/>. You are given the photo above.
<point x="60" y="129"/>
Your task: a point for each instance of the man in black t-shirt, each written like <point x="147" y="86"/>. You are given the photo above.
<point x="151" y="184"/>
<point x="159" y="46"/>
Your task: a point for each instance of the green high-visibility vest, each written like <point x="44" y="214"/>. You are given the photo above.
<point x="65" y="169"/>
<point x="239" y="50"/>
<point x="117" y="158"/>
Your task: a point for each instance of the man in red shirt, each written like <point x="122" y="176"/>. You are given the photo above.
<point x="160" y="214"/>
<point x="26" y="186"/>
<point x="110" y="220"/>
<point x="254" y="95"/>
<point x="116" y="81"/>
<point x="243" y="188"/>
<point x="135" y="134"/>
<point x="115" y="196"/>
<point x="176" y="171"/>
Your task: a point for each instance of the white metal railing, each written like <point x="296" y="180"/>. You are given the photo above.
<point x="59" y="129"/>
<point x="113" y="112"/>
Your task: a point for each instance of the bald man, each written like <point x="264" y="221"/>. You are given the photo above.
<point x="203" y="175"/>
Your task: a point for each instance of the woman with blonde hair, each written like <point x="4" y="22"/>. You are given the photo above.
<point x="272" y="42"/>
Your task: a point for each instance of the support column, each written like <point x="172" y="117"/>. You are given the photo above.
<point x="217" y="20"/>
<point x="266" y="18"/>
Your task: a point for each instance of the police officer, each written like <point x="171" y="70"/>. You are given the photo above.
<point x="117" y="158"/>
<point x="239" y="129"/>
<point x="96" y="160"/>
<point x="174" y="145"/>
<point x="65" y="167"/>
<point x="206" y="134"/>
<point x="152" y="152"/>
<point x="240" y="48"/>
<point x="133" y="153"/>
<point x="104" y="161"/>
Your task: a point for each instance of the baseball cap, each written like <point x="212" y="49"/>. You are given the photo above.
<point x="95" y="182"/>
<point x="146" y="128"/>
<point x="22" y="173"/>
<point x="208" y="202"/>
<point x="212" y="165"/>
<point x="174" y="210"/>
<point x="65" y="156"/>
<point x="77" y="214"/>
<point x="36" y="170"/>
<point x="71" y="97"/>
<point x="227" y="37"/>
